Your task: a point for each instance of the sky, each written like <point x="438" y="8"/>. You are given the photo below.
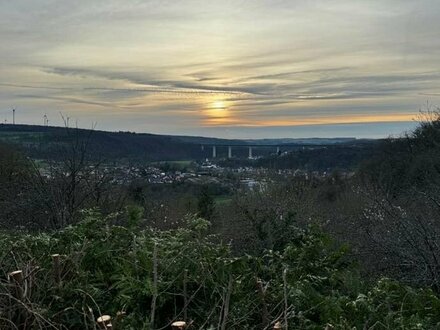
<point x="229" y="68"/>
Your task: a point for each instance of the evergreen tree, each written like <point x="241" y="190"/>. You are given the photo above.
<point x="205" y="204"/>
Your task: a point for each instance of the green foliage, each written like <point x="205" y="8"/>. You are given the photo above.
<point x="108" y="268"/>
<point x="205" y="204"/>
<point x="134" y="215"/>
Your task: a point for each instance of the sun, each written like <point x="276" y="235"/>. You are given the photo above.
<point x="219" y="105"/>
<point x="217" y="109"/>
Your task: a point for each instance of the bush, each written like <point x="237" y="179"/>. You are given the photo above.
<point x="155" y="277"/>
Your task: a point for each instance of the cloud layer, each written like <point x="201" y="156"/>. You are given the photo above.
<point x="215" y="67"/>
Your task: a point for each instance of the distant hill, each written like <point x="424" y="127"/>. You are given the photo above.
<point x="45" y="142"/>
<point x="314" y="141"/>
<point x="271" y="142"/>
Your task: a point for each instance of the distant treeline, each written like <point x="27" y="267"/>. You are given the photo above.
<point x="344" y="156"/>
<point x="46" y="142"/>
<point x="42" y="142"/>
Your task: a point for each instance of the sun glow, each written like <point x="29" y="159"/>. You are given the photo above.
<point x="218" y="105"/>
<point x="217" y="109"/>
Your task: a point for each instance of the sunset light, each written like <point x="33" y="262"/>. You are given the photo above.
<point x="219" y="105"/>
<point x="143" y="67"/>
<point x="220" y="165"/>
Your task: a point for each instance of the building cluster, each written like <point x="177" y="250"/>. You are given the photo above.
<point x="249" y="178"/>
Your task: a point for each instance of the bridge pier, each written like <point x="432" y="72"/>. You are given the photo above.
<point x="214" y="151"/>
<point x="250" y="152"/>
<point x="278" y="150"/>
<point x="229" y="152"/>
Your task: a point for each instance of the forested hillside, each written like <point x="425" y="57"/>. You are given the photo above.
<point x="50" y="143"/>
<point x="47" y="142"/>
<point x="333" y="251"/>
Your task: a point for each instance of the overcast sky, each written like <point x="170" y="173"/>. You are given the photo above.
<point x="229" y="68"/>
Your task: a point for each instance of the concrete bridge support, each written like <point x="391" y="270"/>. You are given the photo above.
<point x="250" y="152"/>
<point x="229" y="152"/>
<point x="214" y="151"/>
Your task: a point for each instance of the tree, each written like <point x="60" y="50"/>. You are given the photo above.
<point x="206" y="204"/>
<point x="400" y="216"/>
<point x="52" y="192"/>
<point x="15" y="192"/>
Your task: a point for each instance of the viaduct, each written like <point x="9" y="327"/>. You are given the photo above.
<point x="252" y="147"/>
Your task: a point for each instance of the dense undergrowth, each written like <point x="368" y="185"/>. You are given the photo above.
<point x="155" y="277"/>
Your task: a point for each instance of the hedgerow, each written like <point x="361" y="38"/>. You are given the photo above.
<point x="146" y="279"/>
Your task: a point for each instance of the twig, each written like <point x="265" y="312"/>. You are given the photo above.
<point x="155" y="290"/>
<point x="286" y="306"/>
<point x="262" y="294"/>
<point x="185" y="295"/>
<point x="227" y="302"/>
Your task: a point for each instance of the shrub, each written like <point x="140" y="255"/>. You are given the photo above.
<point x="156" y="277"/>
